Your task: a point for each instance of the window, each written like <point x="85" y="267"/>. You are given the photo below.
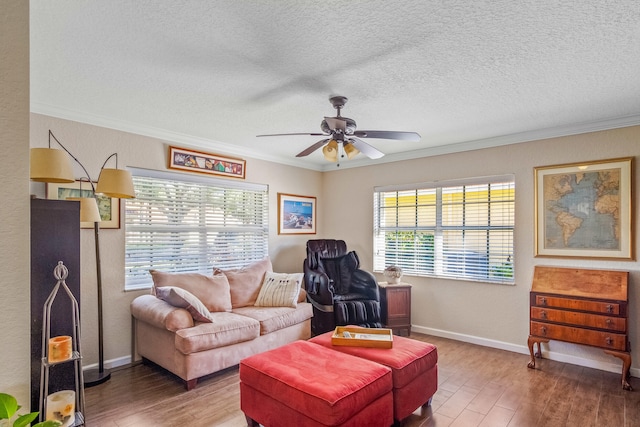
<point x="459" y="230"/>
<point x="179" y="223"/>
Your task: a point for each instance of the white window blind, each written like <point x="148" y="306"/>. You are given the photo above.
<point x="180" y="225"/>
<point x="461" y="230"/>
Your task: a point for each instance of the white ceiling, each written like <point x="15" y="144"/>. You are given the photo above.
<point x="214" y="74"/>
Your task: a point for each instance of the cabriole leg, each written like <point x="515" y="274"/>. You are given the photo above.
<point x="531" y="341"/>
<point x="626" y="366"/>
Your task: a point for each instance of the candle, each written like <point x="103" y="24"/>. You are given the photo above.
<point x="59" y="349"/>
<point x="61" y="407"/>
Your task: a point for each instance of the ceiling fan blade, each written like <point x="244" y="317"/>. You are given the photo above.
<point x="388" y="134"/>
<point x="312" y="148"/>
<point x="336" y="123"/>
<point x="286" y="134"/>
<point x="366" y="149"/>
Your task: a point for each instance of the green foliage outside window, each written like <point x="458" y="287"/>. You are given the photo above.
<point x="407" y="249"/>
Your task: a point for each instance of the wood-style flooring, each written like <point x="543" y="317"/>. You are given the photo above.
<point x="478" y="386"/>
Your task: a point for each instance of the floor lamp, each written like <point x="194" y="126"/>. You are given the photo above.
<point x="52" y="165"/>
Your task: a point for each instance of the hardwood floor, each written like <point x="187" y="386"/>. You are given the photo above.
<point x="478" y="386"/>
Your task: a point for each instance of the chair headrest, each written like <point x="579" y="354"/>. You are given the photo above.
<point x="324" y="248"/>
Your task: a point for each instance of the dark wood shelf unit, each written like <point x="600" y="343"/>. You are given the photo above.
<point x="55" y="236"/>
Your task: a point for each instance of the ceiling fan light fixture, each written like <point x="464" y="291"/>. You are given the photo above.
<point x="330" y="151"/>
<point x="350" y="150"/>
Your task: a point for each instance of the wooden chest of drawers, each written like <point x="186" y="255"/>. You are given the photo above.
<point x="581" y="306"/>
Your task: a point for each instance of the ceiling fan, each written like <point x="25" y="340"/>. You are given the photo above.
<point x="343" y="138"/>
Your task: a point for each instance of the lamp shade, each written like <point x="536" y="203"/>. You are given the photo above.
<point x="330" y="151"/>
<point x="50" y="165"/>
<point x="88" y="209"/>
<point x="350" y="150"/>
<point x="116" y="183"/>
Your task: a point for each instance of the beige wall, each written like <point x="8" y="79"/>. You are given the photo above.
<point x="14" y="213"/>
<point x="92" y="145"/>
<point x="495" y="315"/>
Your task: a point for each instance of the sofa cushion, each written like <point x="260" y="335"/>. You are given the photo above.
<point x="279" y="290"/>
<point x="226" y="329"/>
<point x="182" y="298"/>
<point x="212" y="291"/>
<point x="245" y="282"/>
<point x="302" y="296"/>
<point x="275" y="318"/>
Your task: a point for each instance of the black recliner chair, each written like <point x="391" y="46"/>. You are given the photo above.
<point x="341" y="293"/>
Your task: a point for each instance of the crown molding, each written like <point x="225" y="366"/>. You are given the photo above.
<point x="190" y="141"/>
<point x="204" y="143"/>
<point x="497" y="141"/>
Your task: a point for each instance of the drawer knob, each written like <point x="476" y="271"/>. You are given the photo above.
<point x="543" y="314"/>
<point x="543" y="301"/>
<point x="608" y="322"/>
<point x="608" y="340"/>
<point x="543" y="330"/>
<point x="609" y="308"/>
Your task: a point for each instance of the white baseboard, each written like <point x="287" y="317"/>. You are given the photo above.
<point x="523" y="349"/>
<point x="110" y="364"/>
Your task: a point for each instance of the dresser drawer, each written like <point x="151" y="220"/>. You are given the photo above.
<point x="604" y="307"/>
<point x="618" y="324"/>
<point x="608" y="340"/>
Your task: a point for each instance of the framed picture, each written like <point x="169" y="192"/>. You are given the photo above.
<point x="213" y="164"/>
<point x="296" y="214"/>
<point x="109" y="207"/>
<point x="584" y="210"/>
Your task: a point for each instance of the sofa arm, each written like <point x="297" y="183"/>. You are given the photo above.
<point x="159" y="313"/>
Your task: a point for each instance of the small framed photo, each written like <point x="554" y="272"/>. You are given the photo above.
<point x="296" y="214"/>
<point x="207" y="163"/>
<point x="584" y="210"/>
<point x="109" y="207"/>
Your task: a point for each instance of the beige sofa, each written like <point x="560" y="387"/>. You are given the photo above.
<point x="194" y="325"/>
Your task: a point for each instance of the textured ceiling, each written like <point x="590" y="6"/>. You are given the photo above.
<point x="214" y="74"/>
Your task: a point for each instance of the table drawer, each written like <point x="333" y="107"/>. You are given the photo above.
<point x="604" y="307"/>
<point x="602" y="339"/>
<point x="618" y="324"/>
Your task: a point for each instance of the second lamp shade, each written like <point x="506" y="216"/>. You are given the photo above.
<point x="115" y="183"/>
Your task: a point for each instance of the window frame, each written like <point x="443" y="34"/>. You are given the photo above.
<point x="201" y="227"/>
<point x="429" y="258"/>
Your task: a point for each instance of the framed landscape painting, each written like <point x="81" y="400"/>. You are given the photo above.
<point x="585" y="210"/>
<point x="109" y="207"/>
<point x="296" y="214"/>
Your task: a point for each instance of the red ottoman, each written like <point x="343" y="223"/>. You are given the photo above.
<point x="305" y="384"/>
<point x="414" y="365"/>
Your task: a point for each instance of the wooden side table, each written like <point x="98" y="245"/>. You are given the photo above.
<point x="395" y="301"/>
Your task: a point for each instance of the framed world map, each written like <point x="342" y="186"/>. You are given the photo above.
<point x="584" y="210"/>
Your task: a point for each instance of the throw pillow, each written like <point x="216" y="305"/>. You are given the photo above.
<point x="213" y="292"/>
<point x="181" y="298"/>
<point x="279" y="290"/>
<point x="245" y="282"/>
